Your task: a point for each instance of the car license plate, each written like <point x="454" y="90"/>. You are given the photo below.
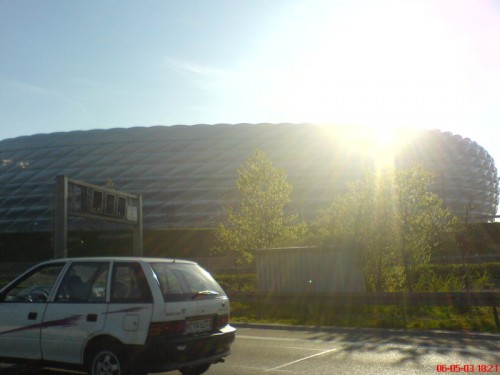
<point x="199" y="325"/>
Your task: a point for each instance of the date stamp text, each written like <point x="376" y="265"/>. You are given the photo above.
<point x="481" y="368"/>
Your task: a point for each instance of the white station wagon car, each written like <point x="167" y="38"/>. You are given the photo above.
<point x="116" y="316"/>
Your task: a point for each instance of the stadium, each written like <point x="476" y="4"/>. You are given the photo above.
<point x="186" y="174"/>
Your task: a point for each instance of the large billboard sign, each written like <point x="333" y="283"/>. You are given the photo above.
<point x="107" y="204"/>
<point x="78" y="198"/>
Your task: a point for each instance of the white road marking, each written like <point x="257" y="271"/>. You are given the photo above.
<point x="260" y="369"/>
<point x="302" y="359"/>
<point x="269" y="338"/>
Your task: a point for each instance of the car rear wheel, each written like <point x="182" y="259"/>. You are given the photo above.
<point x="194" y="370"/>
<point x="107" y="359"/>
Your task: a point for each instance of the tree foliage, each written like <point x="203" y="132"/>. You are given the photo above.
<point x="259" y="219"/>
<point x="396" y="221"/>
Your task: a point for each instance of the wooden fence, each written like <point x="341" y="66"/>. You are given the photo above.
<point x="457" y="299"/>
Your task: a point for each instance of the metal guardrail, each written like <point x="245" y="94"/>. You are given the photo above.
<point x="457" y="299"/>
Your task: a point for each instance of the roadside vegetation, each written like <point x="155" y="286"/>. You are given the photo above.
<point x="478" y="319"/>
<point x="391" y="215"/>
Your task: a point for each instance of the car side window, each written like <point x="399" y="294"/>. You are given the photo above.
<point x="36" y="286"/>
<point x="84" y="282"/>
<point x="129" y="284"/>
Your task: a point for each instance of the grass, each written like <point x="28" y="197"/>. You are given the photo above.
<point x="477" y="319"/>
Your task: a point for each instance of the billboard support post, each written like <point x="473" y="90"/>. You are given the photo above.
<point x="137" y="233"/>
<point x="61" y="218"/>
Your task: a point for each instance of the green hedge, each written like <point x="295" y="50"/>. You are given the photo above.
<point x="493" y="268"/>
<point x="451" y="277"/>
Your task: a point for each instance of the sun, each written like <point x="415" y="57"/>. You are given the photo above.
<point x="385" y="147"/>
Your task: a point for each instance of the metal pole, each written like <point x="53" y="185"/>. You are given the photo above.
<point x="61" y="218"/>
<point x="137" y="234"/>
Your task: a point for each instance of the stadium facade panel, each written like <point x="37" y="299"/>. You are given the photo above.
<point x="187" y="174"/>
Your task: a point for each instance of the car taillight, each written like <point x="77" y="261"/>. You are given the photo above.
<point x="174" y="327"/>
<point x="222" y="321"/>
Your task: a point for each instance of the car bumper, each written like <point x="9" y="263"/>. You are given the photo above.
<point x="171" y="353"/>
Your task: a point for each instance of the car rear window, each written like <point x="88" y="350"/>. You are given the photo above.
<point x="184" y="282"/>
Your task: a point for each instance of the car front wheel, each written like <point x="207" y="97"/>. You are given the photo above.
<point x="107" y="359"/>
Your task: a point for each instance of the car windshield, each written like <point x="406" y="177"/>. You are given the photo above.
<point x="182" y="282"/>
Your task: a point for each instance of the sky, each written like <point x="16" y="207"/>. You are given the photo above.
<point x="77" y="65"/>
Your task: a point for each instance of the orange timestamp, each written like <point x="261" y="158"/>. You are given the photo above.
<point x="482" y="368"/>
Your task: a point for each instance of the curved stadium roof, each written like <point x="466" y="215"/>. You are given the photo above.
<point x="187" y="174"/>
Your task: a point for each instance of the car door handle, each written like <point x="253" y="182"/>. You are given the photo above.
<point x="91" y="317"/>
<point x="32" y="316"/>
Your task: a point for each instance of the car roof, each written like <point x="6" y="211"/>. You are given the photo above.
<point x="121" y="259"/>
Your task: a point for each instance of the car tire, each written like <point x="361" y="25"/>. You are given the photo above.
<point x="107" y="358"/>
<point x="194" y="370"/>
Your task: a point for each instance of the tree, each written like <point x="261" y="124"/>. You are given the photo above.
<point x="258" y="221"/>
<point x="421" y="216"/>
<point x="396" y="221"/>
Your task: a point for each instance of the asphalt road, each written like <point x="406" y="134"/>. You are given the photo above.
<point x="281" y="350"/>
